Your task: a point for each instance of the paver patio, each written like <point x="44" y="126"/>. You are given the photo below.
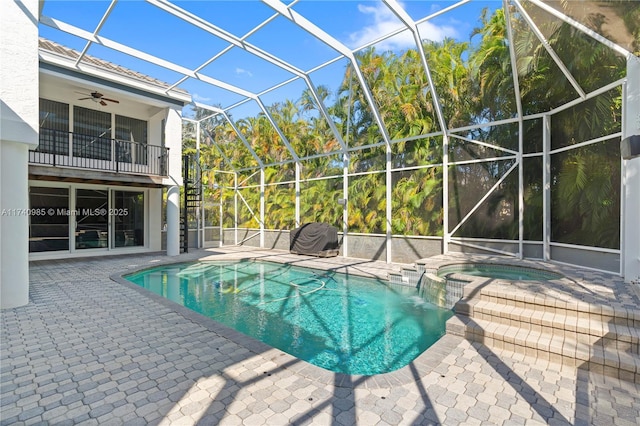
<point x="90" y="350"/>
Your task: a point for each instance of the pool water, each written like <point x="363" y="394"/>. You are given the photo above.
<point x="503" y="272"/>
<point x="343" y="323"/>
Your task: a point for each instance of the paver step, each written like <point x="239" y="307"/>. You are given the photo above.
<point x="612" y="357"/>
<point x="570" y="307"/>
<point x="565" y="322"/>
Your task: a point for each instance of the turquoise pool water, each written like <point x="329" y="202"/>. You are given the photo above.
<point x="342" y="323"/>
<point x="503" y="272"/>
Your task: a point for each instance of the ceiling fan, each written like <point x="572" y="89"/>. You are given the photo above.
<point x="97" y="97"/>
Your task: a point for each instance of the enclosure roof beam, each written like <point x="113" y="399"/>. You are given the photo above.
<point x="549" y="49"/>
<point x="96" y="31"/>
<point x="224" y="35"/>
<point x="248" y="47"/>
<point x="222" y="112"/>
<point x="222" y="154"/>
<point x="325" y="113"/>
<point x="412" y="26"/>
<point x="243" y="139"/>
<point x="583" y="28"/>
<point x="278" y="130"/>
<point x="105" y="42"/>
<point x="213" y="141"/>
<point x="512" y="57"/>
<point x="315" y="31"/>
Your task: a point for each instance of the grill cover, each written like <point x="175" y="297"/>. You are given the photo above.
<point x="315" y="239"/>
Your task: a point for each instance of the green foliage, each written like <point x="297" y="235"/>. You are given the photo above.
<point x="474" y="83"/>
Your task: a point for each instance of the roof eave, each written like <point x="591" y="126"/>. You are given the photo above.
<point x="120" y="79"/>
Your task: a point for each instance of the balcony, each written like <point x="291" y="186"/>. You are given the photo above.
<point x="67" y="149"/>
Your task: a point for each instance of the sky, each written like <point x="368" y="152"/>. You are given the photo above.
<point x="148" y="28"/>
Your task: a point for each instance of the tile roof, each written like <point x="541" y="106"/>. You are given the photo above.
<point x="72" y="54"/>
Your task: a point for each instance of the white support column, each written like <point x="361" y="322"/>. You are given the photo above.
<point x="546" y="185"/>
<point x="262" y="207"/>
<point x="173" y="221"/>
<point x="345" y="204"/>
<point x="297" y="193"/>
<point x="14" y="225"/>
<point x="446" y="236"/>
<point x="630" y="243"/>
<point x="235" y="208"/>
<point x="520" y="190"/>
<point x="19" y="91"/>
<point x="199" y="214"/>
<point x="388" y="212"/>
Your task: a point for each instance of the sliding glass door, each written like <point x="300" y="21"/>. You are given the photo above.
<point x="49" y="219"/>
<point x="92" y="218"/>
<point x="128" y="218"/>
<point x="74" y="218"/>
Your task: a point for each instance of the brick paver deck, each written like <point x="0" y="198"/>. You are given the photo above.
<point x="90" y="350"/>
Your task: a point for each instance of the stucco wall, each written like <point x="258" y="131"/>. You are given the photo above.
<point x="18" y="131"/>
<point x="173" y="135"/>
<point x="19" y="71"/>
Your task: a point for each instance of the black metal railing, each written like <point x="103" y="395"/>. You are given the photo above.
<point x="60" y="148"/>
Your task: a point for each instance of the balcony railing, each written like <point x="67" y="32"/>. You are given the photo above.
<point x="68" y="149"/>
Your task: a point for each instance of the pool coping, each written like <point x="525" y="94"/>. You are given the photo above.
<point x="419" y="367"/>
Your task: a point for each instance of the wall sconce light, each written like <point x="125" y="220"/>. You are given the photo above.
<point x="630" y="147"/>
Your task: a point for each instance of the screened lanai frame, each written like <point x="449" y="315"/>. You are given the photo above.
<point x="449" y="239"/>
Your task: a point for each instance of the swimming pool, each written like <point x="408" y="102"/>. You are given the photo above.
<point x="343" y="323"/>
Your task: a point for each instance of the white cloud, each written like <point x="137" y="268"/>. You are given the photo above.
<point x="241" y="71"/>
<point x="385" y="22"/>
<point x="434" y="32"/>
<point x="199" y="98"/>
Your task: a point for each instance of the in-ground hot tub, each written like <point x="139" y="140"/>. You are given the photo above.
<point x="444" y="285"/>
<point x="497" y="271"/>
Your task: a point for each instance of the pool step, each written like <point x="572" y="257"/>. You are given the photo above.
<point x="569" y="332"/>
<point x="570" y="324"/>
<point x="605" y="356"/>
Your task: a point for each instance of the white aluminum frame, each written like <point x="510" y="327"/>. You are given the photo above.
<point x="287" y="11"/>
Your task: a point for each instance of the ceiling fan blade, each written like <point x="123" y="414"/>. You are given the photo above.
<point x="110" y="100"/>
<point x="103" y="103"/>
<point x="97" y="94"/>
<point x="84" y="99"/>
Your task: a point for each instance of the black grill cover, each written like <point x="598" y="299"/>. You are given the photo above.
<point x="315" y="239"/>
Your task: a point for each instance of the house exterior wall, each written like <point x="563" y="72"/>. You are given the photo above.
<point x="164" y="128"/>
<point x="18" y="132"/>
<point x="19" y="72"/>
<point x="173" y="135"/>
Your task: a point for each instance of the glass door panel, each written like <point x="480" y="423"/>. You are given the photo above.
<point x="92" y="225"/>
<point x="128" y="218"/>
<point x="49" y="219"/>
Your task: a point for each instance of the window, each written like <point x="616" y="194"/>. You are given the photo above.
<point x="54" y="127"/>
<point x="131" y="134"/>
<point x="92" y="133"/>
